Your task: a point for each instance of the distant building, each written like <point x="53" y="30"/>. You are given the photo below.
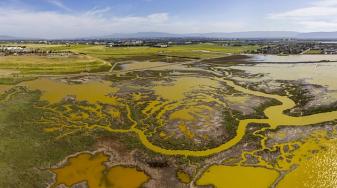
<point x="13" y="49"/>
<point x="161" y="46"/>
<point x="330" y="51"/>
<point x="125" y="43"/>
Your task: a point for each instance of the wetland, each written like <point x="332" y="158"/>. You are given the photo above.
<point x="164" y="122"/>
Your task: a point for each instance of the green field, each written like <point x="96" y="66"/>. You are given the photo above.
<point x="313" y="52"/>
<point x="198" y="51"/>
<point x="99" y="58"/>
<point x="52" y="65"/>
<point x="24" y="146"/>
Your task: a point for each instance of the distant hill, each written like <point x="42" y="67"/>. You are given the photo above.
<point x="7" y="37"/>
<point x="253" y="34"/>
<point x="4" y="37"/>
<point x="318" y="35"/>
<point x="142" y="35"/>
<point x="232" y="35"/>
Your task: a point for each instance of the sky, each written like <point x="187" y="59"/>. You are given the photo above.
<point x="88" y="18"/>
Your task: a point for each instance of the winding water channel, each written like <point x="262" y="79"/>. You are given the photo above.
<point x="275" y="115"/>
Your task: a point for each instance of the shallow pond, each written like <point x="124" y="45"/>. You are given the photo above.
<point x="90" y="168"/>
<point x="238" y="177"/>
<point x="292" y="58"/>
<point x="314" y="73"/>
<point x="54" y="90"/>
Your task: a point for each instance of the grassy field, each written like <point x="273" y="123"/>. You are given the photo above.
<point x="95" y="58"/>
<point x="197" y="51"/>
<point x="51" y="65"/>
<point x="26" y="150"/>
<point x="313" y="52"/>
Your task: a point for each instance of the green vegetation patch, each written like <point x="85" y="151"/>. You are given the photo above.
<point x="26" y="151"/>
<point x="313" y="52"/>
<point x="14" y="80"/>
<point x="34" y="64"/>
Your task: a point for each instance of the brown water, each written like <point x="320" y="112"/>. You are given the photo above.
<point x="92" y="91"/>
<point x="318" y="170"/>
<point x="238" y="177"/>
<point x="122" y="177"/>
<point x="83" y="167"/>
<point x="178" y="89"/>
<point x="91" y="169"/>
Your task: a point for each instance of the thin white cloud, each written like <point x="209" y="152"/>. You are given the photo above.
<point x="50" y="24"/>
<point x="325" y="3"/>
<point x="317" y="16"/>
<point x="98" y="11"/>
<point x="315" y="12"/>
<point x="59" y="4"/>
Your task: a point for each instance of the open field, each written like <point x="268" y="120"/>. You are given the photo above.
<point x="98" y="58"/>
<point x="313" y="52"/>
<point x="52" y="65"/>
<point x="198" y="51"/>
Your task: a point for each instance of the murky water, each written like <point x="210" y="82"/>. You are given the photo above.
<point x="83" y="167"/>
<point x="91" y="169"/>
<point x="317" y="170"/>
<point x="313" y="73"/>
<point x="178" y="89"/>
<point x="292" y="58"/>
<point x="238" y="177"/>
<point x="54" y="91"/>
<point x="124" y="177"/>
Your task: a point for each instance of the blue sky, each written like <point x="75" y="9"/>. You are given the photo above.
<point x="77" y="18"/>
